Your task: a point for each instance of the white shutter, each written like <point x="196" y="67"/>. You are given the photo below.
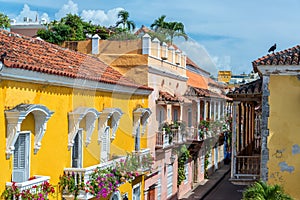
<point x="159" y="184"/>
<point x="136" y="192"/>
<point x="105" y="149"/>
<point x="21" y="158"/>
<point x="170" y="181"/>
<point x="186" y="172"/>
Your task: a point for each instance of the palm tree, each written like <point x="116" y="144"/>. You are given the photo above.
<point x="127" y="24"/>
<point x="261" y="191"/>
<point x="159" y="23"/>
<point x="175" y="29"/>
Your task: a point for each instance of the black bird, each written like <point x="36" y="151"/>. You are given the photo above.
<point x="272" y="48"/>
<point x="3" y="55"/>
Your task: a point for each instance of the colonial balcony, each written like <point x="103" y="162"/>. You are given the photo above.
<point x="246" y="169"/>
<point x="141" y="156"/>
<point x="163" y="139"/>
<point x="82" y="175"/>
<point x="29" y="185"/>
<point x="166" y="139"/>
<point x="179" y="137"/>
<point x="192" y="134"/>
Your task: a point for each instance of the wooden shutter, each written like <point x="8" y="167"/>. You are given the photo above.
<point x="21" y="158"/>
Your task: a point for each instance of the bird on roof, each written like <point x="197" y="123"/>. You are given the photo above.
<point x="3" y="56"/>
<point x="272" y="48"/>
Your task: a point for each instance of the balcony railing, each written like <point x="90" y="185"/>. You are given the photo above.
<point x="193" y="134"/>
<point x="30" y="184"/>
<point x="163" y="139"/>
<point x="82" y="175"/>
<point x="179" y="136"/>
<point x="247" y="166"/>
<point x="141" y="155"/>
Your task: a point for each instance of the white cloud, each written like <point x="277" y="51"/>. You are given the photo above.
<point x="100" y="17"/>
<point x="26" y="13"/>
<point x="198" y="54"/>
<point x="69" y="8"/>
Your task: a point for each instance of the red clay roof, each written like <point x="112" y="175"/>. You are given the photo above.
<point x="166" y="96"/>
<point x="37" y="55"/>
<point x="289" y="56"/>
<point x="196" y="80"/>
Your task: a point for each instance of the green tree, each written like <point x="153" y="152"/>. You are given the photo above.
<point x="76" y="24"/>
<point x="262" y="191"/>
<point x="127" y="24"/>
<point x="169" y="29"/>
<point x="4" y="21"/>
<point x="175" y="29"/>
<point x="159" y="23"/>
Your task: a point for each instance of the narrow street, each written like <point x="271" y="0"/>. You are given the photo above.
<point x="225" y="190"/>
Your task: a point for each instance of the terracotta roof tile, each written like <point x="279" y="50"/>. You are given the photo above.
<point x="285" y="57"/>
<point x="252" y="88"/>
<point x="36" y="55"/>
<point x="166" y="96"/>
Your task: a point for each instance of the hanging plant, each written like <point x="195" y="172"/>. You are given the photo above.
<point x="184" y="156"/>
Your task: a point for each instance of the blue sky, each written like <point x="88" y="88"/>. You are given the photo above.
<point x="224" y="34"/>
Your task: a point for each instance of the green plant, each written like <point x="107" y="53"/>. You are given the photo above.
<point x="262" y="191"/>
<point x="184" y="156"/>
<point x="103" y="182"/>
<point x="206" y="163"/>
<point x="39" y="192"/>
<point x="68" y="185"/>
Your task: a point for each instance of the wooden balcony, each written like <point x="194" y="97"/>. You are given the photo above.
<point x="246" y="169"/>
<point x="29" y="185"/>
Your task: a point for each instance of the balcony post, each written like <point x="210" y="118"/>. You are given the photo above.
<point x="233" y="143"/>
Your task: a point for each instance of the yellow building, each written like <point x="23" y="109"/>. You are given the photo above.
<point x="66" y="113"/>
<point x="265" y="123"/>
<point x="224" y="76"/>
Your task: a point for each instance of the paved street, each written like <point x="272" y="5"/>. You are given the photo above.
<point x="225" y="190"/>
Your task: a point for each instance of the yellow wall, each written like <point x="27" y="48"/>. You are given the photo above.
<point x="224" y="76"/>
<point x="284" y="138"/>
<point x="54" y="155"/>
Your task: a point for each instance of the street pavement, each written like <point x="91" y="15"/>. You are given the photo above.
<point x="225" y="190"/>
<point x="217" y="187"/>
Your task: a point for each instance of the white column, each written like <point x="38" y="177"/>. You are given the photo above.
<point x="146" y="44"/>
<point x="205" y="110"/>
<point x="219" y="110"/>
<point x="215" y="110"/>
<point x="210" y="109"/>
<point x="181" y="111"/>
<point x="157" y="44"/>
<point x="198" y="111"/>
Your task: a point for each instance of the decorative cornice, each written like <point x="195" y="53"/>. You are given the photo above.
<point x="157" y="71"/>
<point x="15" y="118"/>
<point x="109" y="113"/>
<point x="140" y="116"/>
<point x="16" y="74"/>
<point x="75" y="118"/>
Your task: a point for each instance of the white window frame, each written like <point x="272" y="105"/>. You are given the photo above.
<point x="133" y="188"/>
<point x="80" y="152"/>
<point x="116" y="193"/>
<point x="186" y="173"/>
<point x="170" y="173"/>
